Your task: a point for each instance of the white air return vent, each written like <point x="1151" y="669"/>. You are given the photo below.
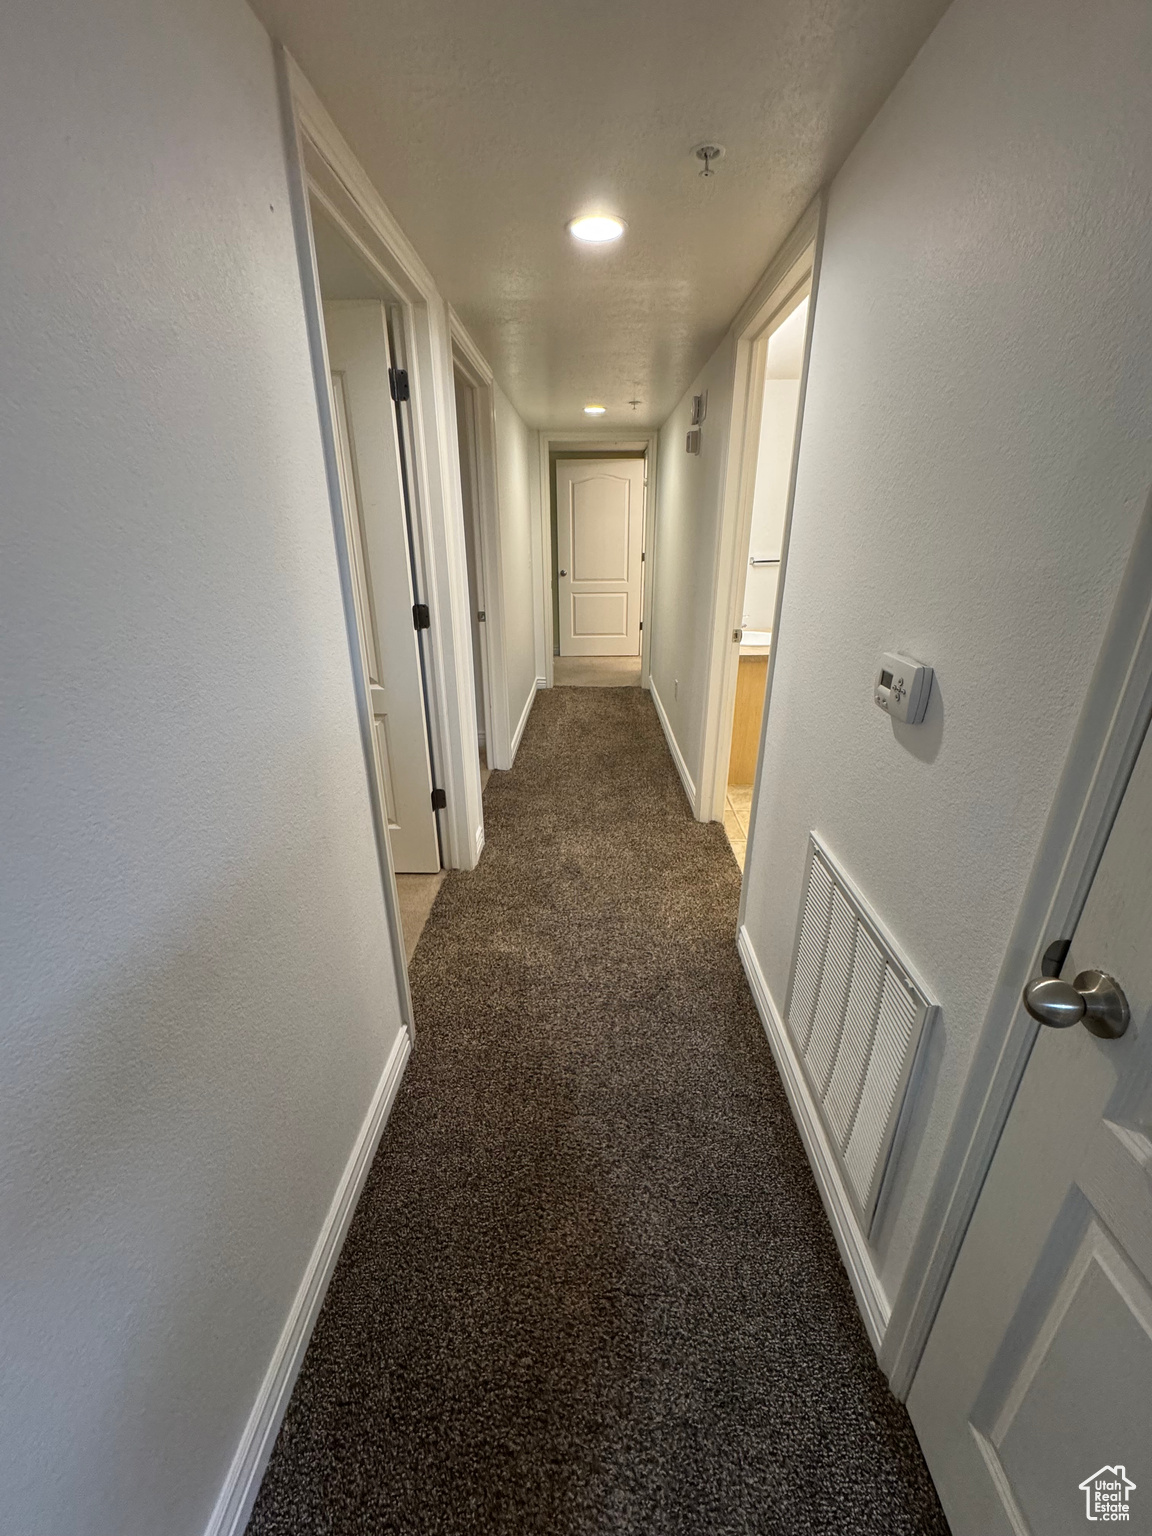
<point x="857" y="1016"/>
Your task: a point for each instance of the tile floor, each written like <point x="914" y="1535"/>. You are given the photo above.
<point x="737" y="809"/>
<point x="596" y="671"/>
<point x="417" y="893"/>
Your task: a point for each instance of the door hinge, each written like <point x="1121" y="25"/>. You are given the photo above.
<point x="643" y="557"/>
<point x="421" y="618"/>
<point x="439" y="799"/>
<point x="641" y="623"/>
<point x="481" y="617"/>
<point x="398" y="384"/>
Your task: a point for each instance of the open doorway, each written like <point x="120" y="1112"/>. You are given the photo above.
<point x="772" y="334"/>
<point x="367" y="396"/>
<point x="761" y="569"/>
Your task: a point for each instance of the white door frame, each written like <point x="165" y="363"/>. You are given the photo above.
<point x="472" y="367"/>
<point x="597" y="442"/>
<point x="322" y="166"/>
<point x="793" y="269"/>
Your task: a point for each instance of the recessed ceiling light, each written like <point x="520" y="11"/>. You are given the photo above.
<point x="596" y="228"/>
<point x="595" y="410"/>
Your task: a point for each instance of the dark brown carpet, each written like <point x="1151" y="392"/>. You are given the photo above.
<point x="590" y="1287"/>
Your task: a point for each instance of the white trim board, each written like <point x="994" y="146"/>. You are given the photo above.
<point x="518" y="734"/>
<point x="850" y="1239"/>
<point x="234" y="1504"/>
<point x="674" y="747"/>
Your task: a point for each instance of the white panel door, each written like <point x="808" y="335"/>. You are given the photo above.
<point x="599" y="542"/>
<point x="372" y="491"/>
<point x="1034" y="1398"/>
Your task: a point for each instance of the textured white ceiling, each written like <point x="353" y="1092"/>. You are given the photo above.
<point x="487" y="124"/>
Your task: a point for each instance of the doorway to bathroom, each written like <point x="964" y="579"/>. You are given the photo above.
<point x="779" y="413"/>
<point x="773" y="337"/>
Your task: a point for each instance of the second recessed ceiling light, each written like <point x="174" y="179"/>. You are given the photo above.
<point x="596" y="228"/>
<point x="595" y="410"/>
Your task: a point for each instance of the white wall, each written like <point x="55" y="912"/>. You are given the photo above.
<point x="770" y="498"/>
<point x="199" y="996"/>
<point x="515" y="470"/>
<point x="688" y="492"/>
<point x="975" y="455"/>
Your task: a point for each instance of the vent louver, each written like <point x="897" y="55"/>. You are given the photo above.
<point x="857" y="1016"/>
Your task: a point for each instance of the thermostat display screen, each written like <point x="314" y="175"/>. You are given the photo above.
<point x="885" y="679"/>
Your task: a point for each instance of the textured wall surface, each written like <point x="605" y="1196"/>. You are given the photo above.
<point x="198" y="987"/>
<point x="975" y="455"/>
<point x="688" y="491"/>
<point x="515" y="462"/>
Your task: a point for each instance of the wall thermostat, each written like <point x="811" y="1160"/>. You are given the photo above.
<point x="902" y="687"/>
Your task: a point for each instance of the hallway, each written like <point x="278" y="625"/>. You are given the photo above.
<point x="589" y="1286"/>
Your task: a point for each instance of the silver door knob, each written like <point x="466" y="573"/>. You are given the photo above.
<point x="1092" y="999"/>
<point x="563" y="573"/>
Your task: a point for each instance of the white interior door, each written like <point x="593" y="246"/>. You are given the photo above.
<point x="599" y="543"/>
<point x="1034" y="1398"/>
<point x="373" y="496"/>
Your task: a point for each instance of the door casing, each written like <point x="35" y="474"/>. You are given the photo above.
<point x="376" y="519"/>
<point x="321" y="166"/>
<point x="575" y="444"/>
<point x="471" y="367"/>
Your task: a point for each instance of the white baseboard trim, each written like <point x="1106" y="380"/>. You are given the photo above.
<point x="674" y="748"/>
<point x="234" y="1505"/>
<point x="874" y="1305"/>
<point x="479" y="841"/>
<point x="524" y="713"/>
<point x="542" y="682"/>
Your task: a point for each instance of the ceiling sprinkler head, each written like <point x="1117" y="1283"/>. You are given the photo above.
<point x="709" y="153"/>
